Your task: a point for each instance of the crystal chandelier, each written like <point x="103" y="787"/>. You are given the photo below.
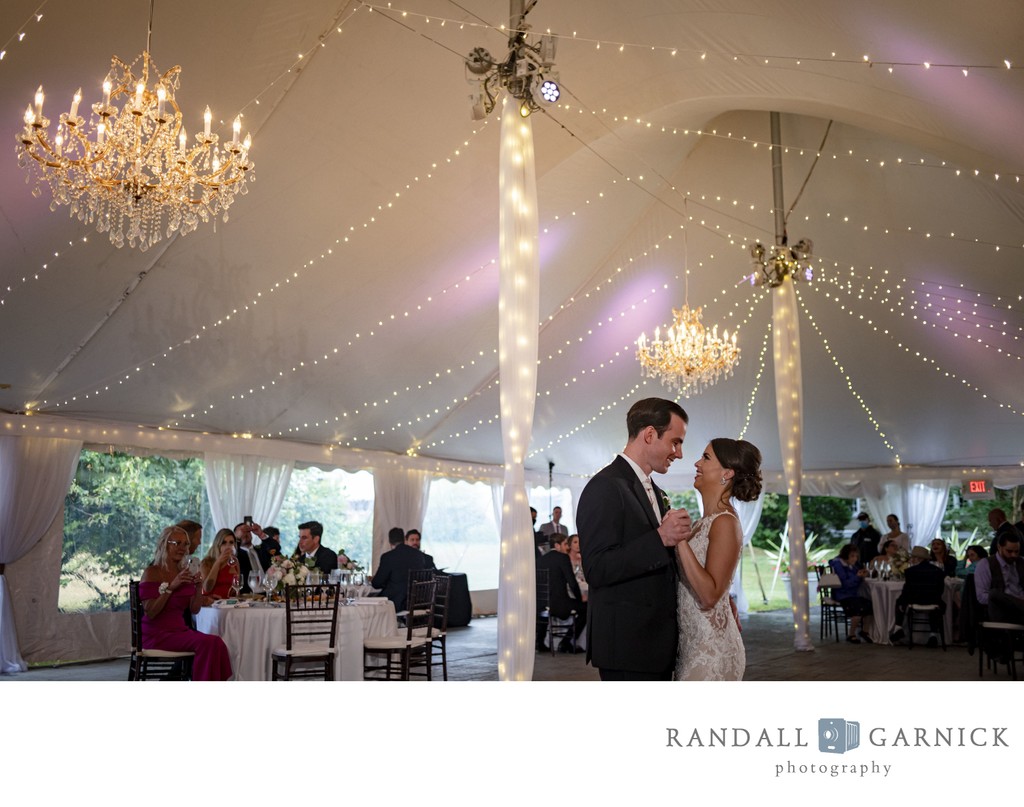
<point x="690" y="359"/>
<point x="131" y="172"/>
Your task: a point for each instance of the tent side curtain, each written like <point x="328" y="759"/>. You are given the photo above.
<point x="246" y="485"/>
<point x="35" y="474"/>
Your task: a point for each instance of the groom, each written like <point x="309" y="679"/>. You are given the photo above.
<point x="627" y="534"/>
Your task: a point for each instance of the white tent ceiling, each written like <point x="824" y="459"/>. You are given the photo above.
<point x="352" y="297"/>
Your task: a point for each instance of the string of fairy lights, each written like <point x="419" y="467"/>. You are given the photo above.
<point x="325" y="255"/>
<point x="850" y="386"/>
<point x="862" y="60"/>
<point x="22" y="30"/>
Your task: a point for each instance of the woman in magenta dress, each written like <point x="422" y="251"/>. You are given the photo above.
<point x="166" y="591"/>
<point x="219" y="570"/>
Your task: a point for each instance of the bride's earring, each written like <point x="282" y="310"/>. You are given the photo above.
<point x="723" y="480"/>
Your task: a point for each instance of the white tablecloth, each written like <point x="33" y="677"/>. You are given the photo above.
<point x="252" y="633"/>
<point x="883" y="595"/>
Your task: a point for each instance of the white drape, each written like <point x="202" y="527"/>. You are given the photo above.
<point x="241" y="486"/>
<point x="789" y="402"/>
<point x="35" y="474"/>
<point x="400" y="497"/>
<point x="750" y="516"/>
<point x="518" y="314"/>
<point x="926" y="505"/>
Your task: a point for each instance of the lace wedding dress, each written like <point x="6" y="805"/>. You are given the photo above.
<point x="710" y="647"/>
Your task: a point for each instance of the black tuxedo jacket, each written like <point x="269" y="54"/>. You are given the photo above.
<point x="924" y="584"/>
<point x="326" y="559"/>
<point x="561" y="581"/>
<point x="392" y="575"/>
<point x="632" y="576"/>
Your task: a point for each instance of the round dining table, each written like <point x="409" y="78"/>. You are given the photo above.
<point x="252" y="630"/>
<point x="883" y="595"/>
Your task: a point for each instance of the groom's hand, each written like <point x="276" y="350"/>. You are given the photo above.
<point x="675" y="527"/>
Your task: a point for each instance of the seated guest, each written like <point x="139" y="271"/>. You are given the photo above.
<point x="577" y="563"/>
<point x="969" y="564"/>
<point x="392" y="575"/>
<point x="194" y="530"/>
<point x="564" y="595"/>
<point x="248" y="557"/>
<point x="889" y="549"/>
<point x="940" y="557"/>
<point x="219" y="570"/>
<point x="310" y="548"/>
<point x="923" y="586"/>
<point x="413" y="538"/>
<point x="856" y="607"/>
<point x="998" y="581"/>
<point x="165" y="591"/>
<point x="270" y="546"/>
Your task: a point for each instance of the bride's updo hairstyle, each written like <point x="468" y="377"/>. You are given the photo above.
<point x="745" y="460"/>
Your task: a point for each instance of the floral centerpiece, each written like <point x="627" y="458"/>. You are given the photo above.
<point x="292" y="571"/>
<point x="899" y="562"/>
<point x="346" y="564"/>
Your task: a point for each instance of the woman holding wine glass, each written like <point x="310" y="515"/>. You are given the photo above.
<point x="168" y="587"/>
<point x="219" y="569"/>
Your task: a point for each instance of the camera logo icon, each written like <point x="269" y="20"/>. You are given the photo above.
<point x="837" y="736"/>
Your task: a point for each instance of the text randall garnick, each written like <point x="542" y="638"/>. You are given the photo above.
<point x="793" y="737"/>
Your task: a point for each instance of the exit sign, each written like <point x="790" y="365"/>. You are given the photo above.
<point x="977" y="489"/>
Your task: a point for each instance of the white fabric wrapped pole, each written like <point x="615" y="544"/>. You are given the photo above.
<point x="789" y="403"/>
<point x="518" y="315"/>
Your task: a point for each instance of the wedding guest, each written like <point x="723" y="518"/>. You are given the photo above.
<point x="564" y="594"/>
<point x="923" y="585"/>
<point x="194" y="530"/>
<point x="895" y="534"/>
<point x="413" y="538"/>
<point x="889" y="550"/>
<point x="219" y="570"/>
<point x="940" y="557"/>
<point x="998" y="521"/>
<point x="969" y="564"/>
<point x="248" y="556"/>
<point x="310" y="535"/>
<point x="165" y="591"/>
<point x="539" y="539"/>
<point x="856" y="607"/>
<point x="555" y="526"/>
<point x="270" y="546"/>
<point x="393" y="568"/>
<point x="999" y="581"/>
<point x="865" y="539"/>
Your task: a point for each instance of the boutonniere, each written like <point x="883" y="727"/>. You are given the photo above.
<point x="666" y="503"/>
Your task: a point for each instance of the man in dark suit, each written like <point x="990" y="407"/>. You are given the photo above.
<point x="310" y="535"/>
<point x="923" y="584"/>
<point x="392" y="575"/>
<point x="413" y="539"/>
<point x="248" y="555"/>
<point x="627" y="537"/>
<point x="564" y="595"/>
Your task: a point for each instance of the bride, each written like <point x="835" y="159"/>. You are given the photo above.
<point x="710" y="647"/>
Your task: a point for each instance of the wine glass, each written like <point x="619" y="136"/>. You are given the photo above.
<point x="254" y="581"/>
<point x="236" y="585"/>
<point x="269" y="584"/>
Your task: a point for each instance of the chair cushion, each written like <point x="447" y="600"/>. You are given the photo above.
<point x="393" y="643"/>
<point x="153" y="653"/>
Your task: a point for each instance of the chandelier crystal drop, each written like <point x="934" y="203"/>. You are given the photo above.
<point x="131" y="171"/>
<point x="690" y="358"/>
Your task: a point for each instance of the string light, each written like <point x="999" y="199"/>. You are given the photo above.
<point x="20" y="34"/>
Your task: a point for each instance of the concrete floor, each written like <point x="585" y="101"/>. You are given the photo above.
<point x="768" y="637"/>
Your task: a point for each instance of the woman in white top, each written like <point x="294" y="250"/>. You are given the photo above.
<point x="898" y="537"/>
